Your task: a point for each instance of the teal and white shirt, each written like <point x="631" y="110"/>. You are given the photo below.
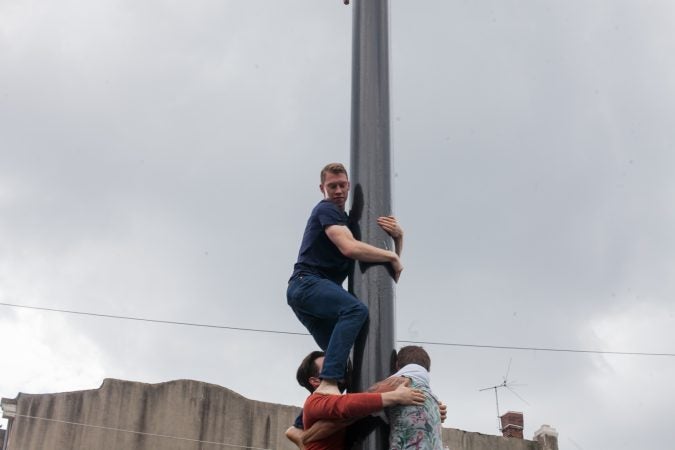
<point x="416" y="427"/>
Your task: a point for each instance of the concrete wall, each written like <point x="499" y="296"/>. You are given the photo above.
<point x="182" y="409"/>
<point x="177" y="415"/>
<point x="464" y="440"/>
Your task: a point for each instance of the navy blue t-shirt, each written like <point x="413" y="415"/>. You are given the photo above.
<point x="298" y="422"/>
<point x="318" y="255"/>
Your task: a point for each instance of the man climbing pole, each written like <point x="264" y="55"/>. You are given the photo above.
<point x="333" y="316"/>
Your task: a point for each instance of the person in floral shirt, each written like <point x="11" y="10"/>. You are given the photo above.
<point x="415" y="427"/>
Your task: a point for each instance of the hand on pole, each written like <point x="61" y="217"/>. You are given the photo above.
<point x="391" y="226"/>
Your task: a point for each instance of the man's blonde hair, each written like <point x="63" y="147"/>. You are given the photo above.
<point x="334" y="168"/>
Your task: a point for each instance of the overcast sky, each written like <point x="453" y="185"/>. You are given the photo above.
<point x="159" y="159"/>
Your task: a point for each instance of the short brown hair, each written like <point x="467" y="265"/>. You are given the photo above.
<point x="413" y="354"/>
<point x="308" y="369"/>
<point x="334" y="168"/>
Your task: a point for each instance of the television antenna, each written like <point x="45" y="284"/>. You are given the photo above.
<point x="504" y="384"/>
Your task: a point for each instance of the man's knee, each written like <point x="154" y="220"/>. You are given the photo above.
<point x="361" y="311"/>
<point x="356" y="311"/>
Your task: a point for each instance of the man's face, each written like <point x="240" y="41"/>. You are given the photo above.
<point x="316" y="381"/>
<point x="335" y="187"/>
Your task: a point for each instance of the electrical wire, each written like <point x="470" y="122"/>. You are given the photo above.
<point x="258" y="330"/>
<point x="164" y="436"/>
<point x="541" y="349"/>
<point x="142" y="319"/>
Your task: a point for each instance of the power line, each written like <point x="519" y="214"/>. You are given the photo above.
<point x="164" y="436"/>
<point x="142" y="319"/>
<point x="258" y="330"/>
<point x="542" y="349"/>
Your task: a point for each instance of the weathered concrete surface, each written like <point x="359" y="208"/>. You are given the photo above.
<point x="181" y="409"/>
<point x="175" y="416"/>
<point x="464" y="440"/>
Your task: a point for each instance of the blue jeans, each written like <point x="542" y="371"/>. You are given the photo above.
<point x="333" y="317"/>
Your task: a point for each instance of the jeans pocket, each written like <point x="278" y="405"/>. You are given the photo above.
<point x="300" y="289"/>
<point x="294" y="293"/>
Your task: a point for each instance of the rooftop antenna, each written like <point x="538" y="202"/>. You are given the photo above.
<point x="504" y="384"/>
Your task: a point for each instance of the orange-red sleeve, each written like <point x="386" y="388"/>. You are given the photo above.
<point x="318" y="406"/>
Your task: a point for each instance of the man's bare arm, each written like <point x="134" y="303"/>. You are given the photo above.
<point x="393" y="229"/>
<point x="403" y="395"/>
<point x="352" y="248"/>
<point x="295" y="436"/>
<point x="389" y="384"/>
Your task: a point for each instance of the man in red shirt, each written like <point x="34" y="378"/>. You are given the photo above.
<point x="348" y="406"/>
<point x="307" y="376"/>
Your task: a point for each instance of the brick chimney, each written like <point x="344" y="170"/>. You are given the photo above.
<point x="512" y="424"/>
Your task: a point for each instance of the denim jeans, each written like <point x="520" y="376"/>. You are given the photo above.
<point x="333" y="317"/>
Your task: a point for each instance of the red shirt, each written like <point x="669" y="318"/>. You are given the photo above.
<point x="347" y="406"/>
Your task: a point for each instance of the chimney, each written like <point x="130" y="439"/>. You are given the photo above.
<point x="512" y="424"/>
<point x="547" y="437"/>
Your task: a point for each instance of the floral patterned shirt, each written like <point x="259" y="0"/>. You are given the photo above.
<point x="416" y="427"/>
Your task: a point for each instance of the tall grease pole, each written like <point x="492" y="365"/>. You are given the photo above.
<point x="371" y="196"/>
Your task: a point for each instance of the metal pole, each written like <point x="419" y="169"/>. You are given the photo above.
<point x="371" y="196"/>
